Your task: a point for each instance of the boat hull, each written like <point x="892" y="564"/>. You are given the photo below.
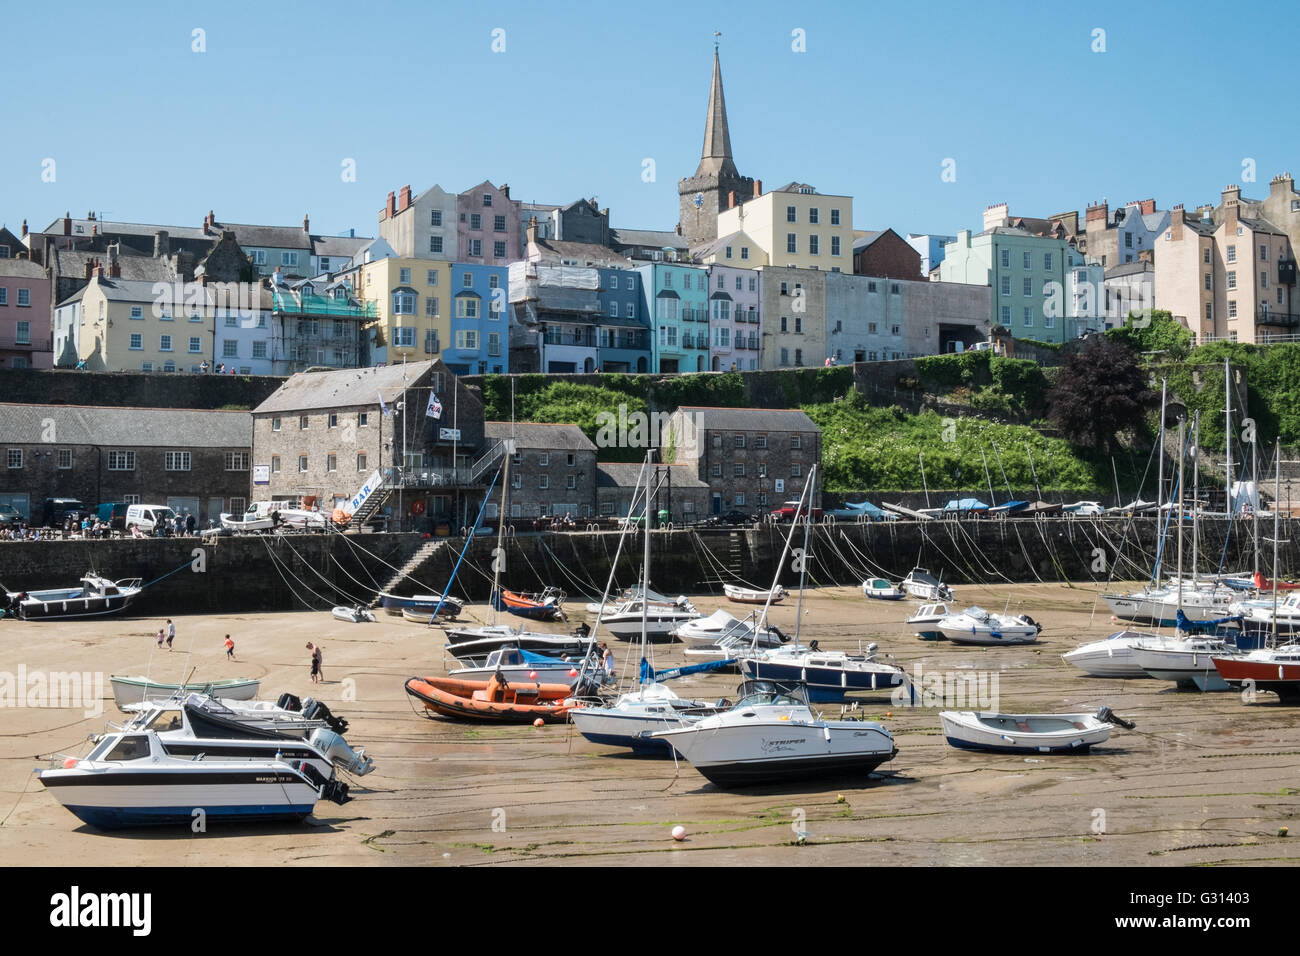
<point x="966" y="731"/>
<point x="394" y="604"/>
<point x="825" y="684"/>
<point x="1101" y="661"/>
<point x="1280" y="677"/>
<point x="51" y="609"/>
<point x="458" y="700"/>
<point x="751" y="596"/>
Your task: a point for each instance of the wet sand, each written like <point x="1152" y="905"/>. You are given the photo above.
<point x="1204" y="778"/>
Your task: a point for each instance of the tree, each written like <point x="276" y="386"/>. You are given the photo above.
<point x="1160" y="332"/>
<point x="1102" y="390"/>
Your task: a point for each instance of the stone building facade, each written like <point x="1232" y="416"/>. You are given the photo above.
<point x="793" y="312"/>
<point x="676" y="488"/>
<point x="552" y="471"/>
<point x="195" y="461"/>
<point x="752" y="459"/>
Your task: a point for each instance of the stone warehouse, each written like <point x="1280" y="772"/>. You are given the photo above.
<point x="753" y="459"/>
<point x="195" y="461"/>
<point x="552" y="471"/>
<point x="320" y="436"/>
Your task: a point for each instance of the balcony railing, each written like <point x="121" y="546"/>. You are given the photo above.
<point x="1289" y="320"/>
<point x="425" y="478"/>
<point x="322" y="305"/>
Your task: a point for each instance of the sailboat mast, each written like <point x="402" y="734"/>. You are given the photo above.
<point x="645" y="561"/>
<point x="1277" y="509"/>
<point x="1196" y="491"/>
<point x="803" y="564"/>
<point x="1254" y="511"/>
<point x="1227" y="431"/>
<point x="1160" y="459"/>
<point x="501" y="530"/>
<point x="1182" y="457"/>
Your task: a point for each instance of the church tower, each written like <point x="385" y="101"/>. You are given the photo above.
<point x="708" y="192"/>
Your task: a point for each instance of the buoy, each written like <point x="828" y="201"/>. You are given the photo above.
<point x="69" y="763"/>
<point x="573" y="672"/>
<point x="889" y="713"/>
<point x="532" y="675"/>
<point x="840" y="798"/>
<point x="679" y="833"/>
<point x="1282" y="831"/>
<point x="538" y="722"/>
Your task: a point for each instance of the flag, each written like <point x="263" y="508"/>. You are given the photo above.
<point x="382" y="407"/>
<point x="435" y="407"/>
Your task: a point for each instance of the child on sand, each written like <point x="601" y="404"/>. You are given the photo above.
<point x="230" y="647"/>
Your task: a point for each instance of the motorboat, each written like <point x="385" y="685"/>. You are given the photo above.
<point x="926" y="620"/>
<point x="355" y="615"/>
<point x="544" y="606"/>
<point x="739" y="595"/>
<point x="472" y="645"/>
<point x="131" y="779"/>
<point x="721" y="624"/>
<point x="442" y="604"/>
<point x="771" y="735"/>
<point x="202" y="726"/>
<point x="1259" y="616"/>
<point x="922" y="584"/>
<point x="287" y="717"/>
<point x="978" y="626"/>
<point x="1275" y="669"/>
<point x="133" y="690"/>
<point x="632" y="720"/>
<point x="96" y="596"/>
<point x="881" y="589"/>
<point x="516" y="664"/>
<point x="495" y="700"/>
<point x="631" y="594"/>
<point x="625" y="621"/>
<point x="828" y="675"/>
<point x="1184" y="660"/>
<point x="1111" y="657"/>
<point x="1028" y="733"/>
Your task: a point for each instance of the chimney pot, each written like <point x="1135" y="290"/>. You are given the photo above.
<point x="505" y="190"/>
<point x="306" y="224"/>
<point x="758" y="188"/>
<point x="24" y="235"/>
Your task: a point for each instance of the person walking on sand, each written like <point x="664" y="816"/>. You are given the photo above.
<point x="160" y="637"/>
<point x="609" y="660"/>
<point x="315" y="667"/>
<point x="318" y="664"/>
<point x="171" y="633"/>
<point x="230" y="648"/>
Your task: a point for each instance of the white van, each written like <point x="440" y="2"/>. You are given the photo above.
<point x="147" y="517"/>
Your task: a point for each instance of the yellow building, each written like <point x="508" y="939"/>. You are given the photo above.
<point x="130" y="325"/>
<point x="413" y="301"/>
<point x="796" y="226"/>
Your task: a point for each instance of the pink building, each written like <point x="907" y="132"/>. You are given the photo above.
<point x="25" y="338"/>
<point x="489" y="232"/>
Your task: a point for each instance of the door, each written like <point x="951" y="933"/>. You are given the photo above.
<point x="717" y="503"/>
<point x="213" y="512"/>
<point x="184" y="506"/>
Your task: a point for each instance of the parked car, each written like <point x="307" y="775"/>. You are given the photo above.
<point x="1086" y="508"/>
<point x="114" y="513"/>
<point x="787" y="510"/>
<point x="732" y="517"/>
<point x="10" y="515"/>
<point x="57" y="510"/>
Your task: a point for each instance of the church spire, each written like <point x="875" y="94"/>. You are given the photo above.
<point x="716" y="155"/>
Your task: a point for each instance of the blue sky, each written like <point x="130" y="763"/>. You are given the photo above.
<point x="256" y="128"/>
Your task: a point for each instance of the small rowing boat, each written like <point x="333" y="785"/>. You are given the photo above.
<point x="444" y="604"/>
<point x="133" y="690"/>
<point x="356" y="615"/>
<point x="1028" y="733"/>
<point x="545" y="606"/>
<point x="880" y="589"/>
<point x="753" y="595"/>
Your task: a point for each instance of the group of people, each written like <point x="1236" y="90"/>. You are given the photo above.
<point x="22" y="532"/>
<point x="219" y="368"/>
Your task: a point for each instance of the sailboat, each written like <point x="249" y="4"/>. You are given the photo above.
<point x="631" y="719"/>
<point x="473" y="645"/>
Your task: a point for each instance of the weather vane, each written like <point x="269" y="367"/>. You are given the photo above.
<point x="716" y="34"/>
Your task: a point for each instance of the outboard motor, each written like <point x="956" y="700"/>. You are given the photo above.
<point x="1038" y="628"/>
<point x="315" y="710"/>
<point x="1107" y="716"/>
<point x="781" y="635"/>
<point x="334" y="790"/>
<point x="336" y="748"/>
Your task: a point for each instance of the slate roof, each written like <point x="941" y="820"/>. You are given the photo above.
<point x="617" y="474"/>
<point x="332" y="246"/>
<point x="586" y="253"/>
<point x="344" y="388"/>
<point x="266" y="237"/>
<point x="127" y="427"/>
<point x="752" y="419"/>
<point x="109" y="227"/>
<point x="646" y="237"/>
<point x="135" y="266"/>
<point x="1128" y="269"/>
<point x="21" y="269"/>
<point x="540" y="435"/>
<point x="867" y="238"/>
<point x="718" y="245"/>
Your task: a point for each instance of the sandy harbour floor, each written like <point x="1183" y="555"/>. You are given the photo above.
<point x="1204" y="779"/>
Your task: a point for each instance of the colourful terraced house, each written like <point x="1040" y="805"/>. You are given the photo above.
<point x="676" y="300"/>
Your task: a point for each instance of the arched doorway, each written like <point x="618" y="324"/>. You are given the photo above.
<point x="589" y="366"/>
<point x="716" y="363"/>
<point x="641" y="364"/>
<point x="699" y="364"/>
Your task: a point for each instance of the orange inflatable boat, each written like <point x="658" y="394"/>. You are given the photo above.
<point x="491" y="700"/>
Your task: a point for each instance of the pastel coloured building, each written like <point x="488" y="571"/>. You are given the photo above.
<point x="676" y="299"/>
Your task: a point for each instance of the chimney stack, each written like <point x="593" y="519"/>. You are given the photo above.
<point x="531" y="232"/>
<point x="306" y="225"/>
<point x="1176" y="223"/>
<point x="162" y="244"/>
<point x="392" y="205"/>
<point x="98" y="271"/>
<point x="404" y="200"/>
<point x="67" y="224"/>
<point x="1148" y="206"/>
<point x="758" y="188"/>
<point x="1096" y="212"/>
<point x="114" y="264"/>
<point x="209" y="221"/>
<point x="90" y="268"/>
<point x="24" y="235"/>
<point x="731" y="199"/>
<point x="505" y="190"/>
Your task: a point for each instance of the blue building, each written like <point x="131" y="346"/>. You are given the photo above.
<point x="622" y="332"/>
<point x="676" y="299"/>
<point x="479" y="324"/>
